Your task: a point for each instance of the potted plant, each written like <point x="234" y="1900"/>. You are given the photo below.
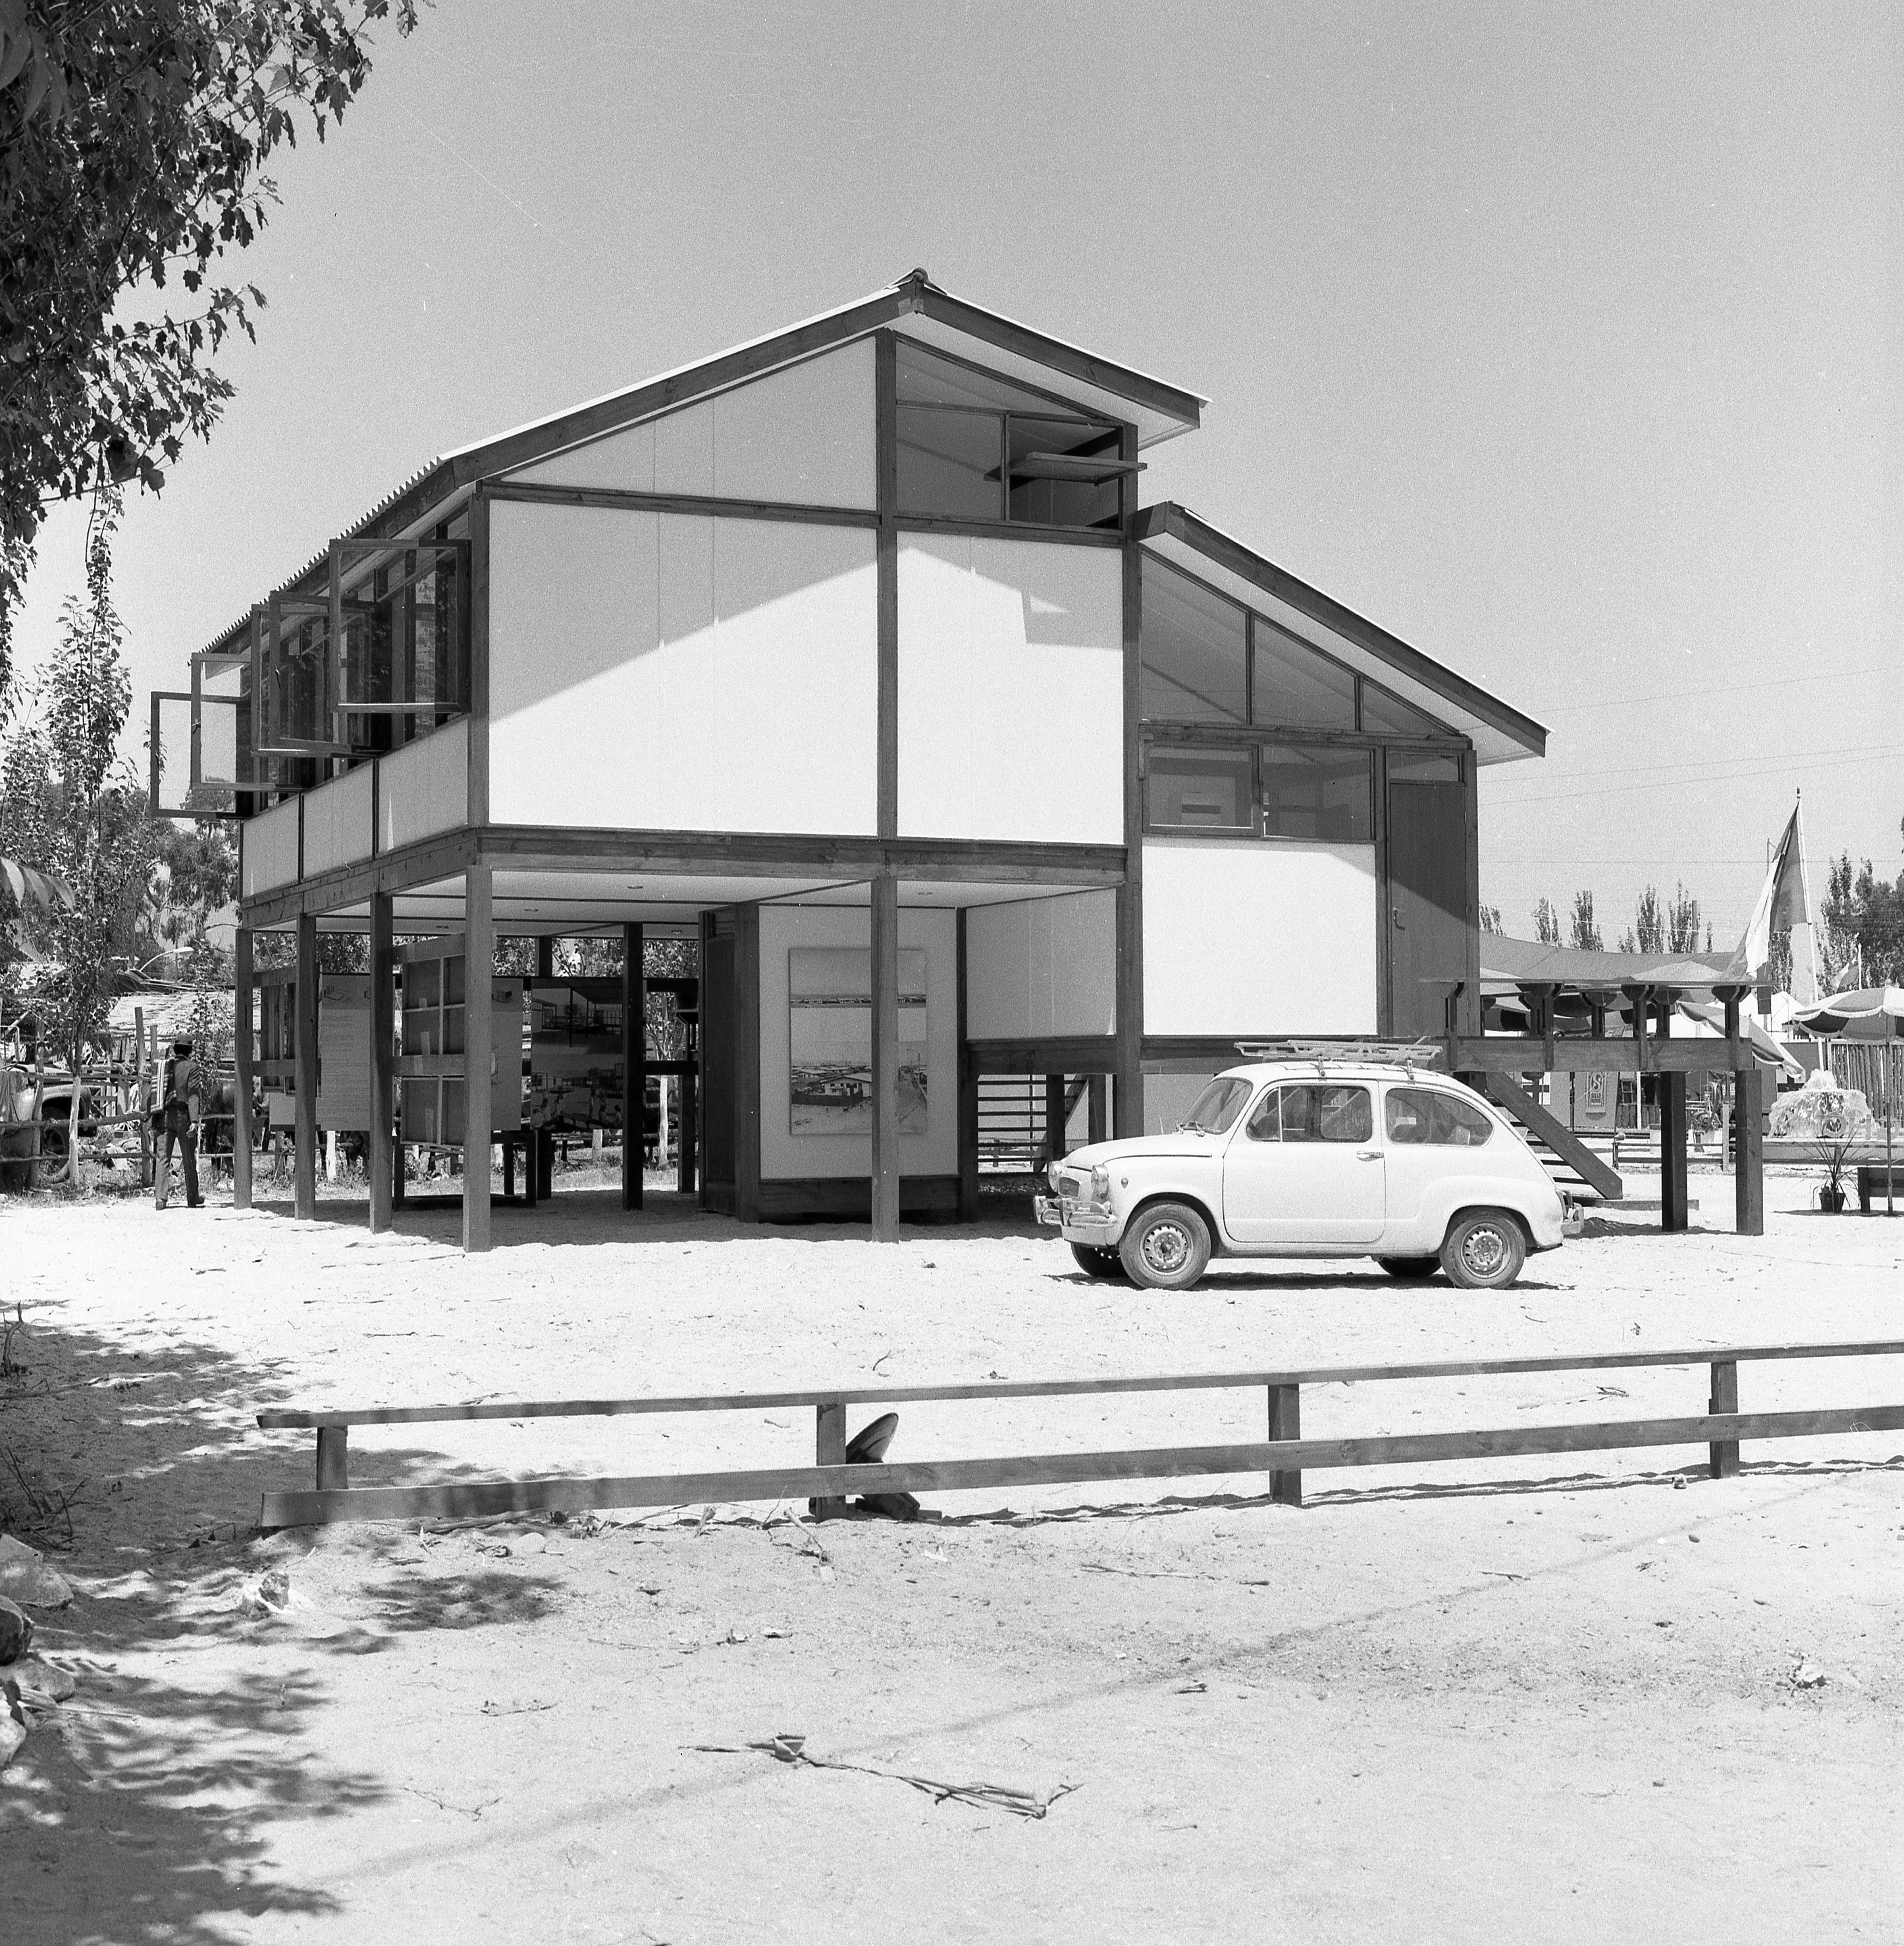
<point x="1830" y="1195"/>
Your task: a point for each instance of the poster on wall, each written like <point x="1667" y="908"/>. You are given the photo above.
<point x="575" y="1054"/>
<point x="1596" y="1099"/>
<point x="829" y="1040"/>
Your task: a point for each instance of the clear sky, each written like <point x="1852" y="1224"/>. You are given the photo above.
<point x="1566" y="342"/>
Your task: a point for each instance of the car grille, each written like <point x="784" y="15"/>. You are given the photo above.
<point x="1069" y="1185"/>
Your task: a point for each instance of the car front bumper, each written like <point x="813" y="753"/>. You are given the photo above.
<point x="1079" y="1222"/>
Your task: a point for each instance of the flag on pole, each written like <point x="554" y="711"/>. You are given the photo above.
<point x="1785" y="906"/>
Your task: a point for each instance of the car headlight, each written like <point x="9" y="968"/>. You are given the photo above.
<point x="1101" y="1184"/>
<point x="1051" y="1177"/>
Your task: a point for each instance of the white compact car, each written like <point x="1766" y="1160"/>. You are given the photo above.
<point x="1313" y="1158"/>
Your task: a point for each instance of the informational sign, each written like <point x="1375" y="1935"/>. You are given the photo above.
<point x="1596" y="1099"/>
<point x="829" y="1040"/>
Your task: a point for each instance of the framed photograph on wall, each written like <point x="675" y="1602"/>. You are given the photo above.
<point x="829" y="1040"/>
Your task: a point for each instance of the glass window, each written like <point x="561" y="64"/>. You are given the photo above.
<point x="1381" y="711"/>
<point x="1207" y="790"/>
<point x="1052" y="481"/>
<point x="1320" y="1112"/>
<point x="949" y="463"/>
<point x="1218" y="1106"/>
<point x="1427" y="1115"/>
<point x="1194" y="644"/>
<point x="1410" y="768"/>
<point x="1296" y="685"/>
<point x="1318" y="794"/>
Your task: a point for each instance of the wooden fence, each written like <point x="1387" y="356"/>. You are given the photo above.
<point x="1283" y="1456"/>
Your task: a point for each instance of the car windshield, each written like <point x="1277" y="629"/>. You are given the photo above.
<point x="1217" y="1107"/>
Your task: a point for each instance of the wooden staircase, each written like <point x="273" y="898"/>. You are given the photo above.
<point x="1577" y="1171"/>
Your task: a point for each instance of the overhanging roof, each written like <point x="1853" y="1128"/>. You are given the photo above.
<point x="915" y="306"/>
<point x="1499" y="734"/>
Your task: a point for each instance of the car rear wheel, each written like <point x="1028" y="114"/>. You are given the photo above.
<point x="1096" y="1262"/>
<point x="1410" y="1270"/>
<point x="1484" y="1250"/>
<point x="1167" y="1247"/>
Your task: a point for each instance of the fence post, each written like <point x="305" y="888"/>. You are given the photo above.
<point x="333" y="1458"/>
<point x="828" y="1450"/>
<point x="1724" y="1453"/>
<point x="1286" y="1422"/>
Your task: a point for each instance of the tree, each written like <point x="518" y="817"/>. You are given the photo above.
<point x="1867" y="914"/>
<point x="1585" y="933"/>
<point x="1546" y="922"/>
<point x="1491" y="919"/>
<point x="1682" y="922"/>
<point x="132" y="135"/>
<point x="1649" y="934"/>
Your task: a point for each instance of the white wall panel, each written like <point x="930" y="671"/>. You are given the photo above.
<point x="337" y="823"/>
<point x="271" y="848"/>
<point x="423" y="788"/>
<point x="804" y="435"/>
<point x="1042" y="966"/>
<point x="1011" y="690"/>
<point x="662" y="672"/>
<point x="1259" y="938"/>
<point x="783" y="1154"/>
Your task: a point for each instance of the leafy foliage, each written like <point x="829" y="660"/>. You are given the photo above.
<point x="1583" y="932"/>
<point x="1866" y="915"/>
<point x="132" y="135"/>
<point x="1546" y="922"/>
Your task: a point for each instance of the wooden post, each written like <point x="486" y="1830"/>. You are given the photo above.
<point x="479" y="1051"/>
<point x="687" y="1154"/>
<point x="545" y="957"/>
<point x="333" y="1458"/>
<point x="378" y="1154"/>
<point x="828" y="1450"/>
<point x="243" y="1051"/>
<point x="634" y="1066"/>
<point x="1748" y="1164"/>
<point x="1724" y="1453"/>
<point x="1286" y="1422"/>
<point x="1055" y="1136"/>
<point x="885" y="1057"/>
<point x="1097" y="1122"/>
<point x="1672" y="1151"/>
<point x="305" y="1061"/>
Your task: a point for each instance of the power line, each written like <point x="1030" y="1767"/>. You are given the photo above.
<point x="1716" y="689"/>
<point x="1814" y="761"/>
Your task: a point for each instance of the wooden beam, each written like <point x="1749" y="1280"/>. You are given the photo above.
<point x="479" y="1055"/>
<point x="1672" y="1153"/>
<point x="886" y="566"/>
<point x="634" y="1001"/>
<point x="304" y="1172"/>
<point x="476" y="587"/>
<point x="380" y="1159"/>
<point x="1285" y="1424"/>
<point x="1127" y="1025"/>
<point x="1520" y="1054"/>
<point x="1723" y="1455"/>
<point x="968" y="1088"/>
<point x="1556" y="1135"/>
<point x="244" y="1048"/>
<point x="885" y="917"/>
<point x="476" y="1498"/>
<point x="287" y="1417"/>
<point x="697" y="505"/>
<point x="1748" y="1153"/>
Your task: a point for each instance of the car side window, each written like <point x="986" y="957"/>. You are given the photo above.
<point x="1266" y="1125"/>
<point x="1319" y="1112"/>
<point x="1427" y="1115"/>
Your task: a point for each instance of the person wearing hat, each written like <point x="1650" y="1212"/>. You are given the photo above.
<point x="178" y="1120"/>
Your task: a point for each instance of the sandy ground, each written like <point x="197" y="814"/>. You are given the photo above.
<point x="1547" y="1700"/>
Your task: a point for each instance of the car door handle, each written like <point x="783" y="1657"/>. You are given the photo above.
<point x="1368" y="1155"/>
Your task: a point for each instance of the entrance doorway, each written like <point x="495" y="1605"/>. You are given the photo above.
<point x="1427" y="891"/>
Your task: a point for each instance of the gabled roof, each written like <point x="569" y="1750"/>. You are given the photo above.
<point x="1499" y="734"/>
<point x="915" y="305"/>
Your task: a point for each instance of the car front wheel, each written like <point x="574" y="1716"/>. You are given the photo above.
<point x="1484" y="1250"/>
<point x="1410" y="1270"/>
<point x="1096" y="1262"/>
<point x="1167" y="1247"/>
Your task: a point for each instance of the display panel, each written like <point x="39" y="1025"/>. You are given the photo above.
<point x="830" y="1041"/>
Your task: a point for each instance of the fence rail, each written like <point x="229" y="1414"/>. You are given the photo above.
<point x="1283" y="1456"/>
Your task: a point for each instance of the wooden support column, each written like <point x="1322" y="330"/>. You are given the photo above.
<point x="1097" y="1110"/>
<point x="1055" y="1115"/>
<point x="1748" y="1160"/>
<point x="1127" y="1099"/>
<point x="479" y="1044"/>
<point x="304" y="1049"/>
<point x="1672" y="1151"/>
<point x="1724" y="1454"/>
<point x="380" y="1151"/>
<point x="243" y="1051"/>
<point x="545" y="958"/>
<point x="1286" y="1422"/>
<point x="885" y="1058"/>
<point x="634" y="1066"/>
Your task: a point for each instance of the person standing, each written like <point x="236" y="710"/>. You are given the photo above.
<point x="184" y="1110"/>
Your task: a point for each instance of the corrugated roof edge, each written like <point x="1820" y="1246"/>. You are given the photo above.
<point x="452" y="471"/>
<point x="1180" y="524"/>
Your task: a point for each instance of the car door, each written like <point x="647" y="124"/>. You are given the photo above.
<point x="1305" y="1168"/>
<point x="1431" y="1134"/>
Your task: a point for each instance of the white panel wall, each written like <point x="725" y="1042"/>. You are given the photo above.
<point x="1042" y="966"/>
<point x="423" y="788"/>
<point x="662" y="672"/>
<point x="1259" y="938"/>
<point x="337" y="823"/>
<point x="783" y="1154"/>
<point x="1011" y="690"/>
<point x="271" y="846"/>
<point x="804" y="435"/>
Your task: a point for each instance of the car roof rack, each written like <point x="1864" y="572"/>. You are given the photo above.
<point x="1407" y="1055"/>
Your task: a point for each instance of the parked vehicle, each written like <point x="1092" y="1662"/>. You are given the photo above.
<point x="1313" y="1158"/>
